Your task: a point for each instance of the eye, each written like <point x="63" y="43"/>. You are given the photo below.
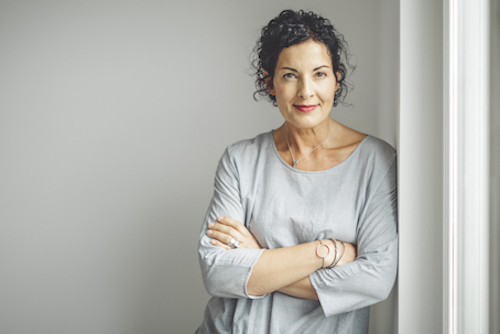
<point x="289" y="76"/>
<point x="320" y="74"/>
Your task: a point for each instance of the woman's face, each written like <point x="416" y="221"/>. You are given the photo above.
<point x="304" y="84"/>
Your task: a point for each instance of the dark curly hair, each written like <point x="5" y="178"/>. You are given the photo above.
<point x="293" y="27"/>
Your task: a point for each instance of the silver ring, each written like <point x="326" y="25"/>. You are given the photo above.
<point x="233" y="243"/>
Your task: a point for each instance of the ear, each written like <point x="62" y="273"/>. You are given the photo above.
<point x="337" y="76"/>
<point x="269" y="83"/>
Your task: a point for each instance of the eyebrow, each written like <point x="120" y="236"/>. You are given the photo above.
<point x="294" y="70"/>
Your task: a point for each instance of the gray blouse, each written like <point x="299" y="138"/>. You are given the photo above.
<point x="355" y="201"/>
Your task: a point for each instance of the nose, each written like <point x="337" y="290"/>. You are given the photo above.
<point x="305" y="89"/>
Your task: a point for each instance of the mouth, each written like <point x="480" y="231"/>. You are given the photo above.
<point x="305" y="108"/>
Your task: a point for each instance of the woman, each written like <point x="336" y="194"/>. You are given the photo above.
<point x="300" y="236"/>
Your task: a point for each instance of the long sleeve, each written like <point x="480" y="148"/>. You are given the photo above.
<point x="226" y="272"/>
<point x="369" y="279"/>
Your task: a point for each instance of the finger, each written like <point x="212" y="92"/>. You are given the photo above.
<point x="219" y="244"/>
<point x="223" y="228"/>
<point x="228" y="221"/>
<point x="222" y="237"/>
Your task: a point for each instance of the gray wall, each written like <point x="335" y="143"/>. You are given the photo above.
<point x="113" y="115"/>
<point x="420" y="168"/>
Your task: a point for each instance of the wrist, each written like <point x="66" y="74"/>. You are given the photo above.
<point x="327" y="251"/>
<point x="334" y="254"/>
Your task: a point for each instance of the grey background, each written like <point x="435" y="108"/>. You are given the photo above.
<point x="113" y="115"/>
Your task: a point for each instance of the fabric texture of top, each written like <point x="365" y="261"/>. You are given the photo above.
<point x="355" y="201"/>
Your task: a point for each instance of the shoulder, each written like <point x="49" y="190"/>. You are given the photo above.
<point x="368" y="142"/>
<point x="250" y="148"/>
<point x="378" y="149"/>
<point x="377" y="159"/>
<point x="243" y="157"/>
<point x="247" y="152"/>
<point x="367" y="147"/>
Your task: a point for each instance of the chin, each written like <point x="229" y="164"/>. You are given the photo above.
<point x="306" y="124"/>
<point x="307" y="121"/>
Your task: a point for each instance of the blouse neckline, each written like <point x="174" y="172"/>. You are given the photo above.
<point x="336" y="167"/>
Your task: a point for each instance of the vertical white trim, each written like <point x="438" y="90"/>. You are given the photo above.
<point x="466" y="165"/>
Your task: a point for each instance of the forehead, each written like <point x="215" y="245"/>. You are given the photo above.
<point x="304" y="55"/>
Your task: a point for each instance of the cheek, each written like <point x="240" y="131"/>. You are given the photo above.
<point x="283" y="93"/>
<point x="328" y="92"/>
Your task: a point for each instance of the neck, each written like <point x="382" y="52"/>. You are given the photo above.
<point x="304" y="140"/>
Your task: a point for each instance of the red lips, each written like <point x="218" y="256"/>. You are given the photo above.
<point x="305" y="108"/>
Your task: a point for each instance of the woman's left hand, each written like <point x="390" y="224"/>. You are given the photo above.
<point x="227" y="228"/>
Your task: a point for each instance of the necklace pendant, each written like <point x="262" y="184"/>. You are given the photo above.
<point x="295" y="162"/>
